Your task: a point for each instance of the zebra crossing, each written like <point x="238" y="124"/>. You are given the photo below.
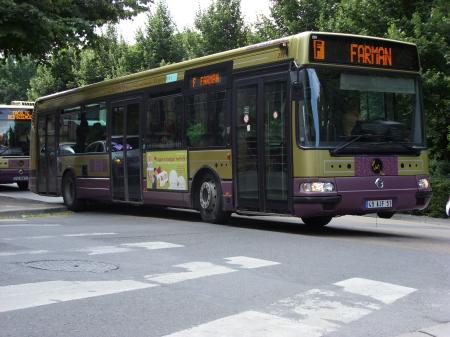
<point x="315" y="312"/>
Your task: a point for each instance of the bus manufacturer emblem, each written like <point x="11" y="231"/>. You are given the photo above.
<point x="379" y="183"/>
<point x="377" y="166"/>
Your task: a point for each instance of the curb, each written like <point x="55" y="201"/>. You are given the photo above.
<point x="37" y="211"/>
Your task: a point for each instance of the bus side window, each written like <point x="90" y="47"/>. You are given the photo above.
<point x="164" y="122"/>
<point x="206" y="116"/>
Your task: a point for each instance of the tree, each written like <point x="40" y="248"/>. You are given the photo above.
<point x="107" y="59"/>
<point x="158" y="43"/>
<point x="221" y="27"/>
<point x="38" y="27"/>
<point x="57" y="75"/>
<point x="15" y="76"/>
<point x="288" y="17"/>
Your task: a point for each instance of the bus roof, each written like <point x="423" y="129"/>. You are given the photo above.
<point x="10" y="106"/>
<point x="295" y="47"/>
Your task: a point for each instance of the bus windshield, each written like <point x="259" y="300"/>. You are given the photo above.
<point x="353" y="112"/>
<point x="14" y="137"/>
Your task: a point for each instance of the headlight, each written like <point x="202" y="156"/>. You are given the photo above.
<point x="317" y="187"/>
<point x="423" y="183"/>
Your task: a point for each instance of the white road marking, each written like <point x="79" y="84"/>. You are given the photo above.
<point x="127" y="247"/>
<point x="30" y="225"/>
<point x="23" y="252"/>
<point x="326" y="310"/>
<point x="21" y="296"/>
<point x="313" y="313"/>
<point x="250" y="262"/>
<point x="152" y="245"/>
<point x="104" y="250"/>
<point x="12" y="220"/>
<point x="249" y="324"/>
<point x="39" y="237"/>
<point x="195" y="270"/>
<point x="88" y="234"/>
<point x="381" y="291"/>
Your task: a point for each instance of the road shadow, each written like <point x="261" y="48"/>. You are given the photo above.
<point x="10" y="188"/>
<point x="288" y="225"/>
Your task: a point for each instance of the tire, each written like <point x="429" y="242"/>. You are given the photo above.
<point x="23" y="185"/>
<point x="69" y="192"/>
<point x="210" y="200"/>
<point x="317" y="221"/>
<point x="385" y="215"/>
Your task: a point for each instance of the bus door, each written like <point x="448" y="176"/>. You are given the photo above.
<point x="261" y="144"/>
<point x="47" y="165"/>
<point x="125" y="149"/>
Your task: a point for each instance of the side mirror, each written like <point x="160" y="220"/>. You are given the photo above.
<point x="298" y="93"/>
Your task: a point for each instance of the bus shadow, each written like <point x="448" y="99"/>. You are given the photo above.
<point x="288" y="225"/>
<point x="331" y="231"/>
<point x="10" y="188"/>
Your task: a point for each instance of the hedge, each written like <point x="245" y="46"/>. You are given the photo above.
<point x="441" y="192"/>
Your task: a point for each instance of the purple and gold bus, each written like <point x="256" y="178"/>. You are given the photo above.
<point x="15" y="125"/>
<point x="314" y="125"/>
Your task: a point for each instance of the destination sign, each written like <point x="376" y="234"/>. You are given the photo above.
<point x="20" y="115"/>
<point x="360" y="51"/>
<point x="205" y="80"/>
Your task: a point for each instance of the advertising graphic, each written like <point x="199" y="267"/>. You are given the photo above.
<point x="167" y="170"/>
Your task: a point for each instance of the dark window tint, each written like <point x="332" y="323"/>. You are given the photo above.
<point x="81" y="128"/>
<point x="206" y="119"/>
<point x="164" y="122"/>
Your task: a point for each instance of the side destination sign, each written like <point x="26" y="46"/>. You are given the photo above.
<point x="366" y="52"/>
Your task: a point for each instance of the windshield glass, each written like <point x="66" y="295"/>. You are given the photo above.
<point x="14" y="135"/>
<point x="356" y="111"/>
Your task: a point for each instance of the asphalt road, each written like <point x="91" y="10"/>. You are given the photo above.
<point x="135" y="271"/>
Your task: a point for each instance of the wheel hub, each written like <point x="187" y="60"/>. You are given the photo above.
<point x="205" y="195"/>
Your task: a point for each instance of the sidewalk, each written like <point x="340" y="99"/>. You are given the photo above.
<point x="16" y="206"/>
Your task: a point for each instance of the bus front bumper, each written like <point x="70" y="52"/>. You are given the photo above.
<point x="8" y="176"/>
<point x="359" y="195"/>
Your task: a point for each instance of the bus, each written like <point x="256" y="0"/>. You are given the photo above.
<point x="315" y="125"/>
<point x="15" y="125"/>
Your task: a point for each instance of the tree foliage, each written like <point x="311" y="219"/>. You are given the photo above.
<point x="221" y="27"/>
<point x="37" y="27"/>
<point x="15" y="76"/>
<point x="158" y="43"/>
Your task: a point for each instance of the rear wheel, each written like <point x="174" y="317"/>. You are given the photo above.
<point x="210" y="200"/>
<point x="317" y="221"/>
<point x="23" y="185"/>
<point x="69" y="192"/>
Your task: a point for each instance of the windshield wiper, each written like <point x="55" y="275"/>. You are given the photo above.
<point x="406" y="146"/>
<point x="353" y="139"/>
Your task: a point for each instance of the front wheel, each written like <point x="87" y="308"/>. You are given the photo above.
<point x="317" y="221"/>
<point x="69" y="192"/>
<point x="385" y="215"/>
<point x="210" y="201"/>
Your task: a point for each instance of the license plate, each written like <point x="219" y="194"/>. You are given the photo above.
<point x="379" y="203"/>
<point x="21" y="178"/>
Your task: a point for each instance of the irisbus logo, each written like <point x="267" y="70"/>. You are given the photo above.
<point x="371" y="55"/>
<point x="377" y="166"/>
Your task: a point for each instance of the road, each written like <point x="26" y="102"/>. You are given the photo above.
<point x="138" y="271"/>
